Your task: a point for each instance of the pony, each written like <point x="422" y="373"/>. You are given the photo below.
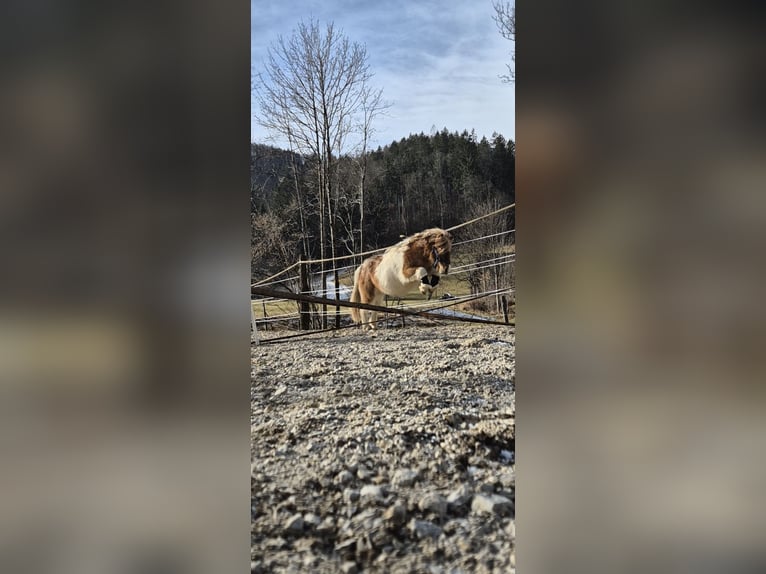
<point x="418" y="260"/>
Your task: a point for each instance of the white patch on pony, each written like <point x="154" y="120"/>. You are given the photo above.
<point x="390" y="272"/>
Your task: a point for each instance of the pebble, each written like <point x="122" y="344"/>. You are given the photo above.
<point x="364" y="473"/>
<point x="487" y="487"/>
<point x="294" y="523"/>
<point x="350" y="495"/>
<point x="304" y="544"/>
<point x="344" y="477"/>
<point x="349" y="568"/>
<point x="277" y="542"/>
<point x="405" y="477"/>
<point x="312" y="519"/>
<point x="507" y="456"/>
<point x="396" y="514"/>
<point x="491" y="504"/>
<point x="464" y="544"/>
<point x="453" y="419"/>
<point x="424" y="529"/>
<point x="460" y="496"/>
<point x="346" y="547"/>
<point x="507" y="479"/>
<point x="371" y="493"/>
<point x="326" y="527"/>
<point x="280" y="390"/>
<point x="433" y="502"/>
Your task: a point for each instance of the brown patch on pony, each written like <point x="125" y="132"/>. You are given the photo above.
<point x="419" y="251"/>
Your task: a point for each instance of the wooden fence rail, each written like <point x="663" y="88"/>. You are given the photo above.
<point x="268" y="292"/>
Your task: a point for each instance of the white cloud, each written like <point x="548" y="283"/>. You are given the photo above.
<point x="438" y="63"/>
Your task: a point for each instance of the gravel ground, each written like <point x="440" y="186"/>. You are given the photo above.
<point x="386" y="452"/>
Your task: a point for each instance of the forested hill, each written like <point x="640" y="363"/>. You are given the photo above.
<point x="418" y="182"/>
<point x="436" y="180"/>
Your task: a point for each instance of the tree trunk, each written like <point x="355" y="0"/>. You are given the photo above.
<point x="322" y="242"/>
<point x="361" y="206"/>
<point x="299" y="198"/>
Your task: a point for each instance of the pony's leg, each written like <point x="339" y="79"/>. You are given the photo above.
<point x="367" y="318"/>
<point x="428" y="284"/>
<point x="421" y="272"/>
<point x="378" y="299"/>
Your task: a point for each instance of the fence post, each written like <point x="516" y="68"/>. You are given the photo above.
<point x="337" y="294"/>
<point x="254" y="324"/>
<point x="304" y="305"/>
<point x="504" y="300"/>
<point x="497" y="287"/>
<point x="324" y="295"/>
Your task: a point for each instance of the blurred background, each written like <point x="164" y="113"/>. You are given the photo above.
<point x="124" y="331"/>
<point x="124" y="344"/>
<point x="641" y="167"/>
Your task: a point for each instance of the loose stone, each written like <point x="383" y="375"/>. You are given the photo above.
<point x="491" y="504"/>
<point x="424" y="529"/>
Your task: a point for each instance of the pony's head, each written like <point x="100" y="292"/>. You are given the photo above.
<point x="434" y="246"/>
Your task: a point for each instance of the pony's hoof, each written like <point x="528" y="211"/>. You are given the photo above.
<point x="425" y="289"/>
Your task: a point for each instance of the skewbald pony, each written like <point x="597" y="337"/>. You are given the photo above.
<point x="416" y="261"/>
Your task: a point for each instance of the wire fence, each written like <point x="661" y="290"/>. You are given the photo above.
<point x="455" y="271"/>
<point x="488" y="277"/>
<point x="333" y="260"/>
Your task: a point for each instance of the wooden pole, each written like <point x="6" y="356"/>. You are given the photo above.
<point x="304" y="305"/>
<point x="254" y="324"/>
<point x="267" y="292"/>
<point x="497" y="287"/>
<point x="337" y="297"/>
<point x="504" y="300"/>
<point x="324" y="296"/>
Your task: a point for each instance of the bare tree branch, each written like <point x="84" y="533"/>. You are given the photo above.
<point x="505" y="19"/>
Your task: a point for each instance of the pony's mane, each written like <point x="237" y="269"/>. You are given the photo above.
<point x="436" y="237"/>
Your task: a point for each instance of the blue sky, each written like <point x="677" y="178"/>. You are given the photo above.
<point x="438" y="62"/>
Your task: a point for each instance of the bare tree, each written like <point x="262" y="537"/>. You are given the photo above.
<point x="492" y="249"/>
<point x="312" y="91"/>
<point x="505" y="18"/>
<point x="372" y="106"/>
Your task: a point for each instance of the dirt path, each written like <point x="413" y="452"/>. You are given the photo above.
<point x="385" y="453"/>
